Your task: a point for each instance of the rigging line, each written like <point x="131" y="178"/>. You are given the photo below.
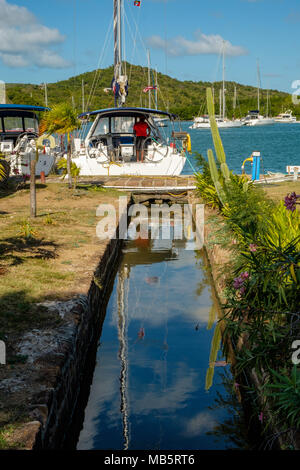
<point x="98" y="71"/>
<point x="139" y="34"/>
<point x="123" y="38"/>
<point x="96" y="77"/>
<point x="135" y="37"/>
<point x="214" y="77"/>
<point x="74" y="36"/>
<point x="166" y="48"/>
<point x="143" y="69"/>
<point x="138" y="31"/>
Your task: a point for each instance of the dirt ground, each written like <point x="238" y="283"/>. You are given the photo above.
<point x="51" y="257"/>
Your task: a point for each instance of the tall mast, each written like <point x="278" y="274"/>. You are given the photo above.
<point x="117" y="45"/>
<point x="122" y="294"/>
<point x="223" y="91"/>
<point x="156" y="90"/>
<point x="149" y="77"/>
<point x="82" y="88"/>
<point x="258" y="86"/>
<point x="234" y="98"/>
<point x="46" y="95"/>
<point x="220" y="102"/>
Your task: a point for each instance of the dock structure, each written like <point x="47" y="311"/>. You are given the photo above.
<point x="150" y="183"/>
<point x="137" y="183"/>
<point x="157" y="189"/>
<point x="142" y="188"/>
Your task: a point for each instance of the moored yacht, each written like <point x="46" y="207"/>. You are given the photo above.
<point x="19" y="139"/>
<point x="203" y="122"/>
<point x="112" y="145"/>
<point x="253" y="118"/>
<point x="287" y="117"/>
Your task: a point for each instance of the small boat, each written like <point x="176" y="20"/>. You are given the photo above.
<point x="19" y="131"/>
<point x="253" y="118"/>
<point x="161" y="122"/>
<point x="287" y="117"/>
<point x="201" y="122"/>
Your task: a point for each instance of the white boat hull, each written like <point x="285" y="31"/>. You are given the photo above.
<point x="260" y="122"/>
<point x="221" y="124"/>
<point x="286" y="121"/>
<point x="170" y="165"/>
<point x="20" y="163"/>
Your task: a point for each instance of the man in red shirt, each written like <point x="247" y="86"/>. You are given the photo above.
<point x="142" y="131"/>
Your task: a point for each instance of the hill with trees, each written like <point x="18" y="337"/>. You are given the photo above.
<point x="185" y="98"/>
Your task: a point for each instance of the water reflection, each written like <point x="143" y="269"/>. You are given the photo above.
<point x="150" y="386"/>
<point x="234" y="428"/>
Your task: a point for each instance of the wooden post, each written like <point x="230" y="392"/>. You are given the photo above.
<point x="69" y="163"/>
<point x="32" y="186"/>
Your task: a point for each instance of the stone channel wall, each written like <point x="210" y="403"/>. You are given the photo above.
<point x="60" y="357"/>
<point x="89" y="317"/>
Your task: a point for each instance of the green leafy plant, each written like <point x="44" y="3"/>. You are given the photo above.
<point x="62" y="119"/>
<point x="27" y="230"/>
<point x="75" y="171"/>
<point x="48" y="220"/>
<point x="285" y="394"/>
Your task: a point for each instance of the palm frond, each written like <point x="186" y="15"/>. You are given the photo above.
<point x="61" y="119"/>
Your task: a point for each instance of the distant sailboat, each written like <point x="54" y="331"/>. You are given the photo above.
<point x="254" y="118"/>
<point x="222" y="121"/>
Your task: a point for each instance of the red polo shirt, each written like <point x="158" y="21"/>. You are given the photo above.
<point x="140" y="129"/>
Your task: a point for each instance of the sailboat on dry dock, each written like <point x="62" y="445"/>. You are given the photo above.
<point x="112" y="145"/>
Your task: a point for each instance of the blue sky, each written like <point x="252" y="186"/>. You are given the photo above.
<point x="50" y="40"/>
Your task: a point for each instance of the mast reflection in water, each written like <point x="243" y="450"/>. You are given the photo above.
<point x="149" y="389"/>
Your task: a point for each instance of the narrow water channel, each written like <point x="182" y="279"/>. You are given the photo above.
<point x="152" y="387"/>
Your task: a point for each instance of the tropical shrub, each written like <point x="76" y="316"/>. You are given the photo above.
<point x="62" y="164"/>
<point x="284" y="392"/>
<point x="261" y="312"/>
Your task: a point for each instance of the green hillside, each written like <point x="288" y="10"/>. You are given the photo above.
<point x="185" y="98"/>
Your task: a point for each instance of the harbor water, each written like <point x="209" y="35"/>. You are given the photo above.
<point x="160" y="380"/>
<point x="279" y="145"/>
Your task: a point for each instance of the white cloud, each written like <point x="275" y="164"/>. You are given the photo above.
<point x="200" y="423"/>
<point x="202" y="44"/>
<point x="24" y="41"/>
